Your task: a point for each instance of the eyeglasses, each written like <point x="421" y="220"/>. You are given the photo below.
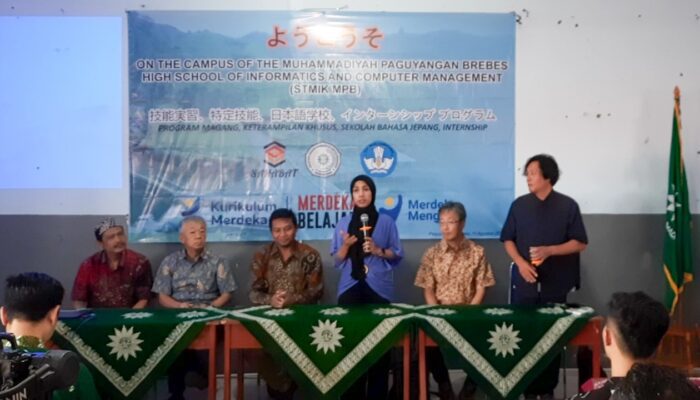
<point x="444" y="223"/>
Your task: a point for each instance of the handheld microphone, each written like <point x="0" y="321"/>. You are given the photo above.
<point x="364" y="218"/>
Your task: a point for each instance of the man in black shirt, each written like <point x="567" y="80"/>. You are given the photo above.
<point x="544" y="235"/>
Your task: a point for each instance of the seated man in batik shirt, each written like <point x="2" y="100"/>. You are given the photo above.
<point x="285" y="272"/>
<point x="453" y="272"/>
<point x="192" y="277"/>
<point x="114" y="277"/>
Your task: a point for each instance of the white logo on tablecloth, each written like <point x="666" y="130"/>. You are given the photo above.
<point x="326" y="336"/>
<point x="441" y="311"/>
<point x="279" y="312"/>
<point x="556" y="310"/>
<point x="192" y="314"/>
<point x="504" y="340"/>
<point x="125" y="342"/>
<point x="137" y="315"/>
<point x="387" y="311"/>
<point x="497" y="311"/>
<point x="334" y="311"/>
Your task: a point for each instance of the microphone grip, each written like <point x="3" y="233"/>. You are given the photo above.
<point x="364" y="230"/>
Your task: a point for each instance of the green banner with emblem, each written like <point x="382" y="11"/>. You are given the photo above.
<point x="326" y="348"/>
<point x="503" y="348"/>
<point x="126" y="350"/>
<point x="678" y="241"/>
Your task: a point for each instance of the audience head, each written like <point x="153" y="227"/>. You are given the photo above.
<point x="32" y="298"/>
<point x="193" y="233"/>
<point x="539" y="169"/>
<point x="283" y="226"/>
<point x="111" y="236"/>
<point x="635" y="325"/>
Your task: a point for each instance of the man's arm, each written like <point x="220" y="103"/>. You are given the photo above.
<point x="479" y="295"/>
<point x="80" y="293"/>
<point x="140" y="304"/>
<point x="143" y="283"/>
<point x="425" y="278"/>
<point x="527" y="271"/>
<point x="224" y="283"/>
<point x="259" y="287"/>
<point x="162" y="285"/>
<point x="221" y="300"/>
<point x="79" y="304"/>
<point x="483" y="277"/>
<point x="570" y="247"/>
<point x="430" y="298"/>
<point x="169" y="302"/>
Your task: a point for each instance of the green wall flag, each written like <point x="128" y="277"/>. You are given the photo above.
<point x="678" y="257"/>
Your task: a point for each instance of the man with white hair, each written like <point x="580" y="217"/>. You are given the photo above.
<point x="192" y="277"/>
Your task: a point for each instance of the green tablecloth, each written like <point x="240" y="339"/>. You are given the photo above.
<point x="126" y="350"/>
<point x="503" y="348"/>
<point x="326" y="348"/>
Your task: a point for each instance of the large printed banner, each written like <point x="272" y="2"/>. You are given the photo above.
<point x="235" y="114"/>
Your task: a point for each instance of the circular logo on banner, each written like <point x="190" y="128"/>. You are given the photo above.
<point x="323" y="159"/>
<point x="378" y="159"/>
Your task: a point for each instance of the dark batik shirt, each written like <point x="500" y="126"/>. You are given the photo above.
<point x="301" y="276"/>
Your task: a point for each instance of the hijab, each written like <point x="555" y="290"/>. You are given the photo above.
<point x="357" y="255"/>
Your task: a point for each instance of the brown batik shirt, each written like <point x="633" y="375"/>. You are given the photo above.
<point x="301" y="276"/>
<point x="454" y="274"/>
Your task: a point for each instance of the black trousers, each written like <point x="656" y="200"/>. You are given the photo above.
<point x="188" y="360"/>
<point x="435" y="364"/>
<point x="373" y="385"/>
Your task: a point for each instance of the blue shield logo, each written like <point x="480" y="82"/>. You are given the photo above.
<point x="378" y="159"/>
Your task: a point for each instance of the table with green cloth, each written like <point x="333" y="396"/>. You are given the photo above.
<point x="503" y="348"/>
<point x="326" y="348"/>
<point x="127" y="350"/>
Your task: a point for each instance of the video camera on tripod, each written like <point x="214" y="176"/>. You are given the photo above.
<point x="34" y="375"/>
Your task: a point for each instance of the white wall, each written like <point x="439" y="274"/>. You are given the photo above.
<point x="594" y="88"/>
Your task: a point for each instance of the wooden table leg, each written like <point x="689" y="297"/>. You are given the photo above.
<point x="422" y="384"/>
<point x="227" y="362"/>
<point x="212" y="362"/>
<point x="597" y="346"/>
<point x="407" y="366"/>
<point x="239" y="377"/>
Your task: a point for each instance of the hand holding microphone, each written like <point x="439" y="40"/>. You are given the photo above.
<point x="368" y="244"/>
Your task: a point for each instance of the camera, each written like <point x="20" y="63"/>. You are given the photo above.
<point x="34" y="375"/>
